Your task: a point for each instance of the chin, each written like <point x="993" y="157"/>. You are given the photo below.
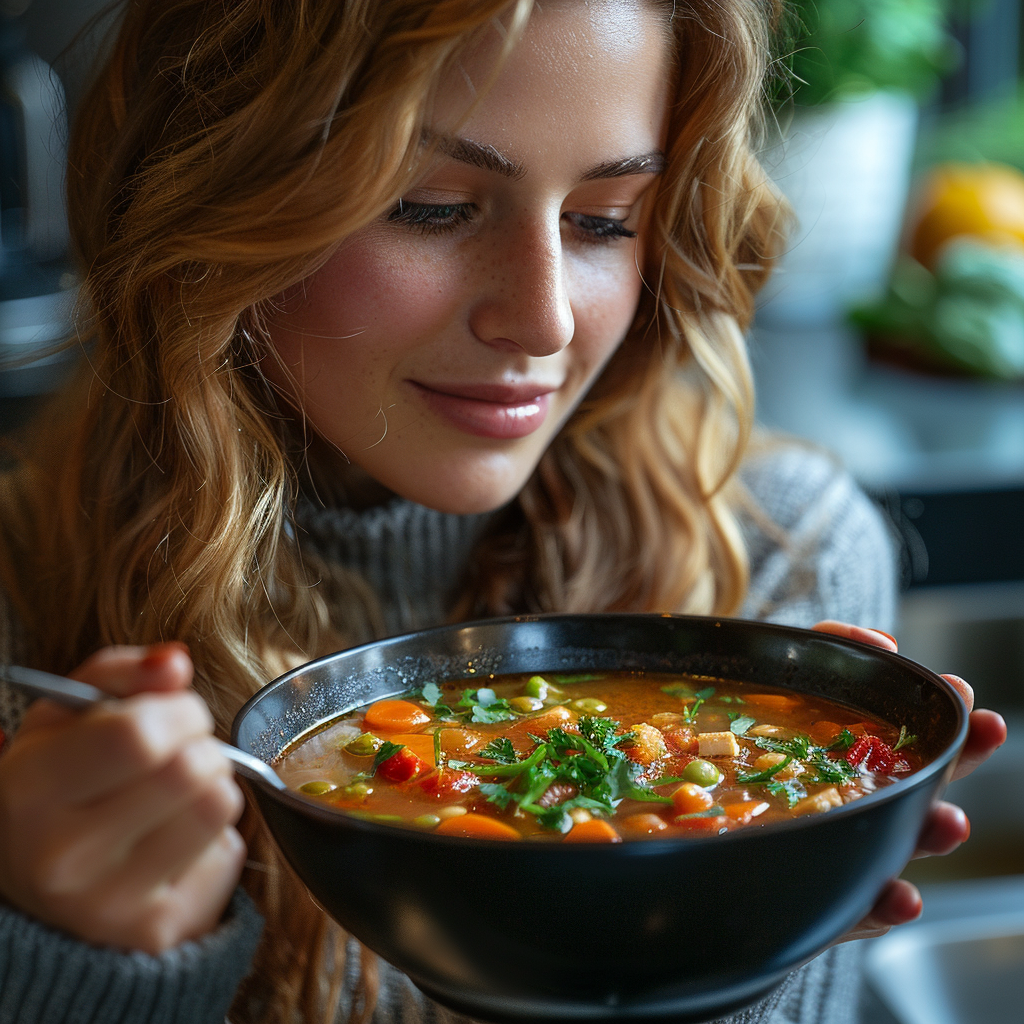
<point x="467" y="493"/>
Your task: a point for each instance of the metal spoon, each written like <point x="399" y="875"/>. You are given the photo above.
<point x="73" y="694"/>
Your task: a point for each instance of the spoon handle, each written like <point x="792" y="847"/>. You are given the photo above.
<point x="76" y="695"/>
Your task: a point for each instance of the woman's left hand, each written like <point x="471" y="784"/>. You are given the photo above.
<point x="946" y="826"/>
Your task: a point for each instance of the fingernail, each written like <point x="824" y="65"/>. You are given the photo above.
<point x="889" y="635"/>
<point x="160" y="654"/>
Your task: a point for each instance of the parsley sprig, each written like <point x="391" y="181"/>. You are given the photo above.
<point x="591" y="760"/>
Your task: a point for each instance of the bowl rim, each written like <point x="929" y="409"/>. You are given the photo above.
<point x="941" y="763"/>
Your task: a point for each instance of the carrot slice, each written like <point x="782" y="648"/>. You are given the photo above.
<point x="776" y="701"/>
<point x="690" y="798"/>
<point x="744" y="811"/>
<point x="395" y="716"/>
<point x="593" y="831"/>
<point x="476" y="826"/>
<point x="420" y="743"/>
<point x="645" y="822"/>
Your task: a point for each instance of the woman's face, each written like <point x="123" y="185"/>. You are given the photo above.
<point x="442" y="347"/>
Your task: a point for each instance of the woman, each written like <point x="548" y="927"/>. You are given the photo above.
<point x="401" y="311"/>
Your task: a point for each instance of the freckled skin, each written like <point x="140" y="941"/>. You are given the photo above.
<point x="520" y="295"/>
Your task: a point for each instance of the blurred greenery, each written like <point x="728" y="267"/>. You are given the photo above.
<point x="993" y="130"/>
<point x="843" y="47"/>
<point x="967" y="316"/>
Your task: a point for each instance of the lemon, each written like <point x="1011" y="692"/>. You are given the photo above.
<point x="983" y="200"/>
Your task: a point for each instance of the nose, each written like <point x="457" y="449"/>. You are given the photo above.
<point x="523" y="296"/>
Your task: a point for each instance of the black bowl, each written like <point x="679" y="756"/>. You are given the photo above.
<point x="681" y="929"/>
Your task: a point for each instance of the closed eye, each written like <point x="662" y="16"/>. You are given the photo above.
<point x="431" y="218"/>
<point x="598" y="229"/>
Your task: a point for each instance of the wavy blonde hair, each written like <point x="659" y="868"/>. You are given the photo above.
<point x="222" y="153"/>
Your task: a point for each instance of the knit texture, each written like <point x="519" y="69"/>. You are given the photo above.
<point x="818" y="548"/>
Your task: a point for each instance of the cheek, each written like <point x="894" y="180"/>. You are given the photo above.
<point x="607" y="300"/>
<point x="376" y="291"/>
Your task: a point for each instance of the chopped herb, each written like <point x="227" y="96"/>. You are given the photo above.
<point x="843" y="741"/>
<point x="791" y="791"/>
<point x="500" y="750"/>
<point x="579" y="677"/>
<point x="740" y="724"/>
<point x="732" y="700"/>
<point x="799" y="746"/>
<point x="496" y="793"/>
<point x="438" y="757"/>
<point x="431" y="693"/>
<point x="905" y="739"/>
<point x="387" y="749"/>
<point x="767" y="775"/>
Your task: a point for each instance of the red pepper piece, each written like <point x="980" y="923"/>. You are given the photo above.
<point x="401" y="766"/>
<point x="446" y="782"/>
<point x="872" y="753"/>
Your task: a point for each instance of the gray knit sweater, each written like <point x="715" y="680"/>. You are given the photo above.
<point x="818" y="550"/>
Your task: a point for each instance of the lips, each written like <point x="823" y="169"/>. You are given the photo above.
<point x="499" y="411"/>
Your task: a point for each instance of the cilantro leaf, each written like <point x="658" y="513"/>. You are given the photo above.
<point x="578" y="677"/>
<point x="791" y="790"/>
<point x="500" y="750"/>
<point x="387" y="749"/>
<point x="740" y="725"/>
<point x="496" y="793"/>
<point x="710" y="812"/>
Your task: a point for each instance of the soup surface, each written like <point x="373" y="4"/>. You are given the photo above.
<point x="596" y="757"/>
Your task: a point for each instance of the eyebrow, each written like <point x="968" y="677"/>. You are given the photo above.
<point x="479" y="155"/>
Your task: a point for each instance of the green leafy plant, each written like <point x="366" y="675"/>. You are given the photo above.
<point x="845" y="47"/>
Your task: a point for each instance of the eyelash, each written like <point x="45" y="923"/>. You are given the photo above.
<point x="432" y="219"/>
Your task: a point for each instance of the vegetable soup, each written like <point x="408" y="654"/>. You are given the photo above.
<point x="596" y="757"/>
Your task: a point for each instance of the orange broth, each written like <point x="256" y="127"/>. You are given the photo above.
<point x="597" y="757"/>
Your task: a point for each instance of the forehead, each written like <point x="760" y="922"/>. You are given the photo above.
<point x="595" y="73"/>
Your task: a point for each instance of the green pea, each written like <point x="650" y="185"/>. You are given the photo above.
<point x="703" y="773"/>
<point x="427" y="821"/>
<point x="538" y="686"/>
<point x="321" y="787"/>
<point x="588" y="705"/>
<point x="357" y="790"/>
<point x="364" y="745"/>
<point x="524" y="705"/>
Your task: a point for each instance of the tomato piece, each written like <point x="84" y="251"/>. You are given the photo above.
<point x="690" y="798"/>
<point x="682" y="739"/>
<point x="401" y="766"/>
<point x="446" y="782"/>
<point x="872" y="753"/>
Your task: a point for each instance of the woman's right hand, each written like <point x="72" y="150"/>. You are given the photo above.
<point x="116" y="822"/>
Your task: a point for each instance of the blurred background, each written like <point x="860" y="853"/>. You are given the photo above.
<point x="892" y="334"/>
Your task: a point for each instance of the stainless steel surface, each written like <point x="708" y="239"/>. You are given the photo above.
<point x="74" y="694"/>
<point x="963" y="963"/>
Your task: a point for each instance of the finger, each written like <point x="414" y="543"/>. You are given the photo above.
<point x="109" y="746"/>
<point x="172" y="913"/>
<point x="875" y="637"/>
<point x="102" y="836"/>
<point x="123" y="671"/>
<point x="986" y="735"/>
<point x="167" y="854"/>
<point x="899" y="903"/>
<point x="963" y="688"/>
<point x="120" y="672"/>
<point x="944" y="830"/>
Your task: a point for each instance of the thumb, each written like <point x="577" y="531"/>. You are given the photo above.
<point x="124" y="671"/>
